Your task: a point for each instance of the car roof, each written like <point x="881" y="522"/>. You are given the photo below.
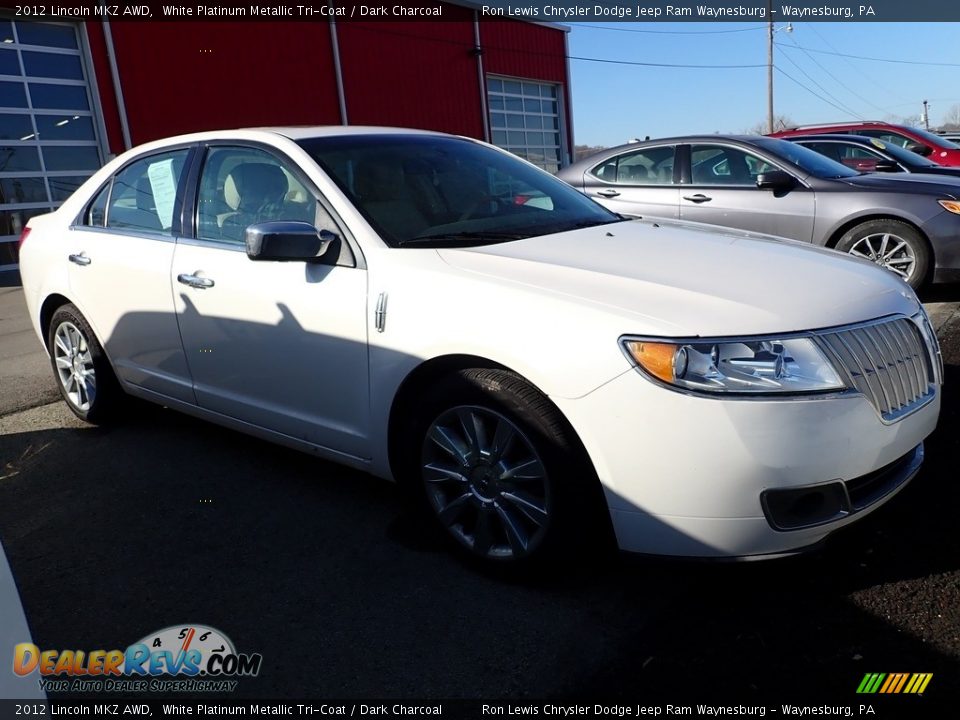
<point x="847" y="123"/>
<point x="687" y="139"/>
<point x="291" y="132"/>
<point x="859" y="139"/>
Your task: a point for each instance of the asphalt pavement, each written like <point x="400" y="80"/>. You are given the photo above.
<point x="113" y="533"/>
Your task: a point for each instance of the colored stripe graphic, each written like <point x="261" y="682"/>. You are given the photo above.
<point x="894" y="683"/>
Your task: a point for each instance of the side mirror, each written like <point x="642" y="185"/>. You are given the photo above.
<point x="920" y="149"/>
<point x="775" y="180"/>
<point x="886" y="166"/>
<point x="287" y="240"/>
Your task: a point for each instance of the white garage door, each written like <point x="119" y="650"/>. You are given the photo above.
<point x="49" y="139"/>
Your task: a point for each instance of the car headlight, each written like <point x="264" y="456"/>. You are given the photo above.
<point x="792" y="365"/>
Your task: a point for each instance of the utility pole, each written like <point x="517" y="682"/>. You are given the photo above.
<point x="926" y="116"/>
<point x="770" y="127"/>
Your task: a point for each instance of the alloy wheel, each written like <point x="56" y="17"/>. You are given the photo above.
<point x="74" y="364"/>
<point x="888" y="251"/>
<point x="486" y="482"/>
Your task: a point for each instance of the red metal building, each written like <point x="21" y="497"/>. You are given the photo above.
<point x="74" y="93"/>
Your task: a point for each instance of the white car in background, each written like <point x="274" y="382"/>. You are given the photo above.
<point x="538" y="373"/>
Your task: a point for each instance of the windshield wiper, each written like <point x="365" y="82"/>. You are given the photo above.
<point x="456" y="238"/>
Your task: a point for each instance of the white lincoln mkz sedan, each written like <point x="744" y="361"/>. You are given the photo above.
<point x="536" y="369"/>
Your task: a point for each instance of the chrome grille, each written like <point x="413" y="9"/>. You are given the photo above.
<point x="889" y="362"/>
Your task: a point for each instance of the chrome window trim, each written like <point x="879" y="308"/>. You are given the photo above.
<point x="215" y="244"/>
<point x="125" y="232"/>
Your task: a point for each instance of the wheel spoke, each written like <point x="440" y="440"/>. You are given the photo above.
<point x="502" y="439"/>
<point x="452" y="510"/>
<point x="62" y="342"/>
<point x="522" y="471"/>
<point x="883" y="244"/>
<point x="902" y="273"/>
<point x="856" y="253"/>
<point x="445" y="473"/>
<point x="528" y="505"/>
<point x="448" y="442"/>
<point x="900" y="261"/>
<point x="473" y="431"/>
<point x="896" y="248"/>
<point x="63" y="363"/>
<point x="516" y="535"/>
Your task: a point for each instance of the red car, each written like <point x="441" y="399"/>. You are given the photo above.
<point x="935" y="147"/>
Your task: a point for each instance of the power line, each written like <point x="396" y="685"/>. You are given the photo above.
<point x="835" y="78"/>
<point x="853" y="65"/>
<point x="662" y="65"/>
<point x="876" y="59"/>
<point x="794" y="80"/>
<point x="534" y="53"/>
<point x="839" y="103"/>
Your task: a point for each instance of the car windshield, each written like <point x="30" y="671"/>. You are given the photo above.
<point x="907" y="157"/>
<point x="940" y="142"/>
<point x="806" y="159"/>
<point x="437" y="191"/>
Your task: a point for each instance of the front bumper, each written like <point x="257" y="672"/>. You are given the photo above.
<point x="688" y="475"/>
<point x="943" y="230"/>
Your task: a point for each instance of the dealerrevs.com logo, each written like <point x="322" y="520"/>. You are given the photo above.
<point x="179" y="658"/>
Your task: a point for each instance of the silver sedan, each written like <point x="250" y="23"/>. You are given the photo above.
<point x="907" y="224"/>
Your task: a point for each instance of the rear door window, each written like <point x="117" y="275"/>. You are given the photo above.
<point x="144" y="194"/>
<point x="650" y="166"/>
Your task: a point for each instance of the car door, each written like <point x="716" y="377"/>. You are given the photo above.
<point x="638" y="182"/>
<point x="721" y="189"/>
<point x="278" y="345"/>
<point x="120" y="253"/>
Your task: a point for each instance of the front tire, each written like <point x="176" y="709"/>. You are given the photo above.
<point x="81" y="368"/>
<point x="501" y="472"/>
<point x="891" y="244"/>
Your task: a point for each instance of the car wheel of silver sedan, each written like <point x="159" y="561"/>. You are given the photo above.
<point x="891" y="244"/>
<point x="501" y="471"/>
<point x="83" y="373"/>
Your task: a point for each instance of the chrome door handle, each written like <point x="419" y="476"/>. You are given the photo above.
<point x="698" y="198"/>
<point x="194" y="281"/>
<point x="79" y="259"/>
<point x="607" y="193"/>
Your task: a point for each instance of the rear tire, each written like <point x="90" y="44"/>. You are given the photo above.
<point x="81" y="368"/>
<point x="501" y="473"/>
<point x="891" y="244"/>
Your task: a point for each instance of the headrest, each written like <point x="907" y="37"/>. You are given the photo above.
<point x="253" y="184"/>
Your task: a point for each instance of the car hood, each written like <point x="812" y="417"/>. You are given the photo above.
<point x="685" y="280"/>
<point x="940" y="185"/>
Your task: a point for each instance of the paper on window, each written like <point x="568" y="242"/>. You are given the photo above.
<point x="164" y="186"/>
